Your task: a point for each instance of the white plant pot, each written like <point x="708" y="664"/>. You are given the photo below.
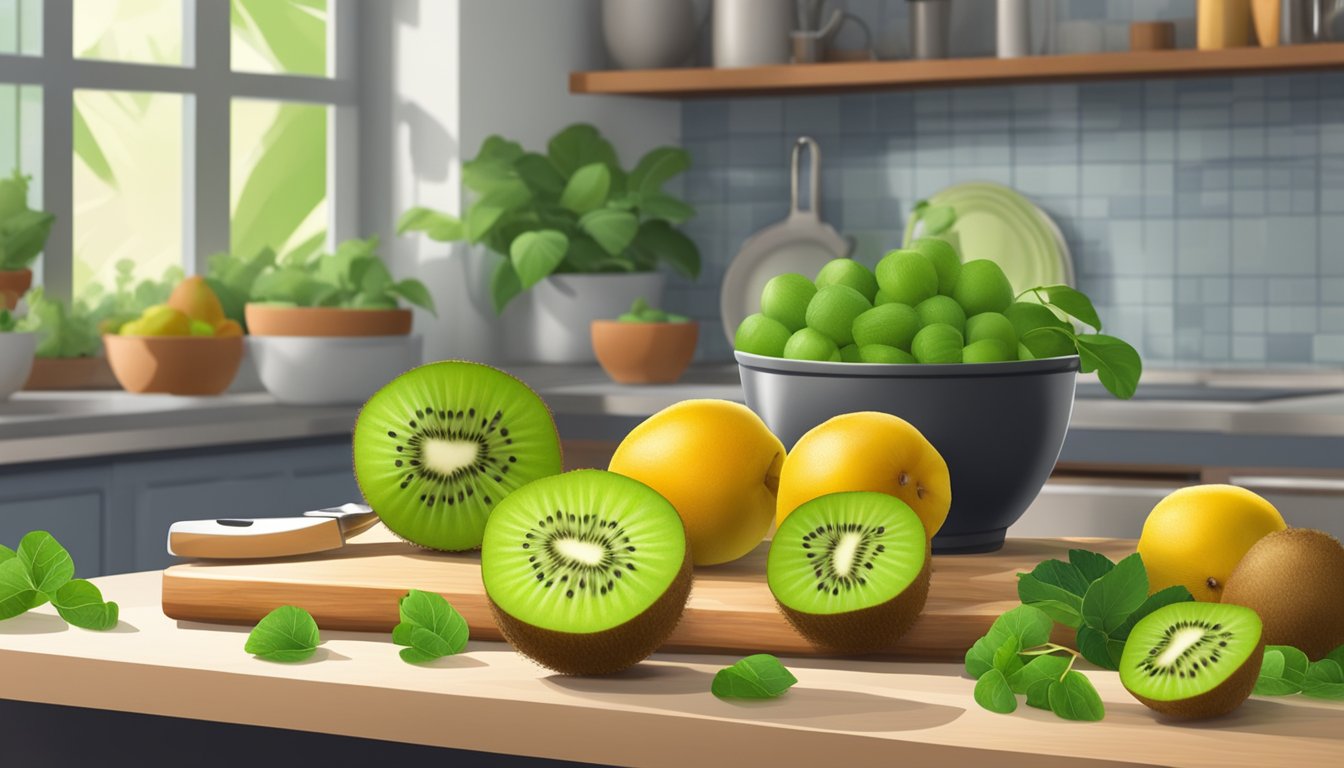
<point x="16" y="361"/>
<point x="328" y="370"/>
<point x="551" y="322"/>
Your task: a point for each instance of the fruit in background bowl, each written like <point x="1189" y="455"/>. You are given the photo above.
<point x="167" y="350"/>
<point x="645" y="345"/>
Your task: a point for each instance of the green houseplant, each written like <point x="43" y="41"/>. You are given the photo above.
<point x="23" y="235"/>
<point x="576" y="233"/>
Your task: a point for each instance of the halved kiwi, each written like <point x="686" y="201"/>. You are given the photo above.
<point x="588" y="572"/>
<point x="440" y="445"/>
<point x="850" y="570"/>
<point x="1193" y="660"/>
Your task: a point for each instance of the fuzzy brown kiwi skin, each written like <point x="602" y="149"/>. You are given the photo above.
<point x="1215" y="703"/>
<point x="1293" y="579"/>
<point x="868" y="630"/>
<point x="608" y="651"/>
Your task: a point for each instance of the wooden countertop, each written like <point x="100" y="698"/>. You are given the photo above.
<point x="659" y="714"/>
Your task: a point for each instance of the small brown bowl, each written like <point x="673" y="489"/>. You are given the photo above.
<point x="174" y="365"/>
<point x="267" y="320"/>
<point x="13" y="284"/>
<point x="644" y="353"/>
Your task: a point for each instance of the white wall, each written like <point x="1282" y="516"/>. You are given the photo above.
<point x="438" y="77"/>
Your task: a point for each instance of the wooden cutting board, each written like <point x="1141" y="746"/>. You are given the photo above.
<point x="730" y="609"/>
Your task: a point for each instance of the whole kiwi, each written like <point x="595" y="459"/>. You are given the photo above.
<point x="1294" y="579"/>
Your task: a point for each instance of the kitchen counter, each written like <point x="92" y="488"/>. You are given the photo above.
<point x="658" y="714"/>
<point x="1299" y="431"/>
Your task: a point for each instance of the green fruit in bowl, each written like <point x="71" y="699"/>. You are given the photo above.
<point x="882" y="297"/>
<point x="848" y="272"/>
<point x="785" y="299"/>
<point x="881" y="353"/>
<point x="760" y="335"/>
<point x="850" y="354"/>
<point x="983" y="287"/>
<point x="945" y="261"/>
<point x="987" y="351"/>
<point x="907" y="276"/>
<point x="1027" y="317"/>
<point x="991" y="325"/>
<point x="833" y="311"/>
<point x="937" y="343"/>
<point x="894" y="325"/>
<point x="811" y="344"/>
<point x="941" y="309"/>
<point x="202" y="328"/>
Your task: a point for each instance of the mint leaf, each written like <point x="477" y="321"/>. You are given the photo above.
<point x="1112" y="598"/>
<point x="760" y="676"/>
<point x="1026" y="625"/>
<point x="81" y="603"/>
<point x="1057" y="588"/>
<point x="1324" y="680"/>
<point x="429" y="626"/>
<point x="1282" y="672"/>
<point x="17" y="595"/>
<point x="1098" y="648"/>
<point x="1117" y="364"/>
<point x="1337" y="655"/>
<point x="48" y="564"/>
<point x="1006" y="660"/>
<point x="1160" y="598"/>
<point x="1041" y="668"/>
<point x="980" y="656"/>
<point x="1074" y="303"/>
<point x="1093" y="565"/>
<point x="1038" y="693"/>
<point x="285" y="634"/>
<point x="992" y="693"/>
<point x="1076" y="699"/>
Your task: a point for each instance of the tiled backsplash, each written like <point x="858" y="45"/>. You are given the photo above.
<point x="1205" y="217"/>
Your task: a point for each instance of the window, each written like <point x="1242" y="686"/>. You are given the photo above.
<point x="162" y="131"/>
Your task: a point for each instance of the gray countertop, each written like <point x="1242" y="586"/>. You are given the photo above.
<point x="52" y="426"/>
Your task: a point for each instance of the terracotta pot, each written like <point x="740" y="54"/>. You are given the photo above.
<point x="174" y="365"/>
<point x="267" y="320"/>
<point x="66" y="373"/>
<point x="12" y="287"/>
<point x="644" y="353"/>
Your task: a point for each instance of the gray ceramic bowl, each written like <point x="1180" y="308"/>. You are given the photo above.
<point x="999" y="426"/>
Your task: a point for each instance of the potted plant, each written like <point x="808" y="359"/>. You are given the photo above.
<point x="23" y="235"/>
<point x="580" y="238"/>
<point x="330" y="329"/>
<point x="645" y="345"/>
<point x="16" y="354"/>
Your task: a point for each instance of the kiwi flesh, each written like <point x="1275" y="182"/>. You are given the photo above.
<point x="1294" y="580"/>
<point x="439" y="446"/>
<point x="588" y="572"/>
<point x="850" y="570"/>
<point x="1193" y="660"/>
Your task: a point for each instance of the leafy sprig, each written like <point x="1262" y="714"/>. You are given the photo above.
<point x="1116" y="363"/>
<point x="759" y="676"/>
<point x="354" y="277"/>
<point x="430" y="627"/>
<point x="42" y="571"/>
<point x="1286" y="671"/>
<point x="1016" y="658"/>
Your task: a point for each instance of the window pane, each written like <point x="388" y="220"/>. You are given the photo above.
<point x="127" y="185"/>
<point x="137" y="31"/>
<point x="280" y="37"/>
<point x="278" y="177"/>
<point x="21" y="27"/>
<point x="21" y="142"/>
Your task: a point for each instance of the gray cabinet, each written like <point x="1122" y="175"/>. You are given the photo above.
<point x="113" y="516"/>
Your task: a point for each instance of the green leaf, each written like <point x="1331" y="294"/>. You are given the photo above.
<point x="613" y="230"/>
<point x="81" y="603"/>
<point x="287" y="183"/>
<point x="937" y="219"/>
<point x="1092" y="565"/>
<point x="22" y="238"/>
<point x="1025" y="625"/>
<point x="540" y="174"/>
<point x="1282" y="672"/>
<point x="48" y="564"/>
<point x="760" y="676"/>
<point x="438" y="226"/>
<point x="1038" y="694"/>
<point x="486" y="212"/>
<point x="1041" y="668"/>
<point x="535" y="255"/>
<point x="577" y="146"/>
<point x="88" y="150"/>
<point x="504" y="285"/>
<point x="1099" y="648"/>
<point x="370" y="276"/>
<point x="663" y="206"/>
<point x="1337" y="655"/>
<point x="415" y="292"/>
<point x="429" y="626"/>
<point x="587" y="189"/>
<point x="993" y="693"/>
<point x="1006" y="660"/>
<point x="17" y="595"/>
<point x="1163" y="597"/>
<point x="1057" y="588"/>
<point x="292" y="32"/>
<point x="1324" y="680"/>
<point x="1113" y="597"/>
<point x="1076" y="699"/>
<point x="664" y="244"/>
<point x="1117" y="364"/>
<point x="585" y="255"/>
<point x="1072" y="302"/>
<point x="655" y="169"/>
<point x="287" y="633"/>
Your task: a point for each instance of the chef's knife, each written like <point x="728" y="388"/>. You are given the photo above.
<point x="316" y="531"/>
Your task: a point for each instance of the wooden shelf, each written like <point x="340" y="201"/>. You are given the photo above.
<point x="875" y="75"/>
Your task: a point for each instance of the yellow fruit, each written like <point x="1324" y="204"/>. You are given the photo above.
<point x="159" y="320"/>
<point x="228" y="328"/>
<point x="718" y="464"/>
<point x="193" y="298"/>
<point x="868" y="451"/>
<point x="1196" y="536"/>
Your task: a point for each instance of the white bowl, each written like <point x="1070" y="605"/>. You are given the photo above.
<point x="16" y="361"/>
<point x="327" y="370"/>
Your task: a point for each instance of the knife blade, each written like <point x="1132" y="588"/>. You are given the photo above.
<point x="317" y="530"/>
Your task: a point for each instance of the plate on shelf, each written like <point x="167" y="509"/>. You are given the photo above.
<point x="998" y="223"/>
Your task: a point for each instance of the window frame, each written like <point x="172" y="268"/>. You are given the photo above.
<point x="208" y="86"/>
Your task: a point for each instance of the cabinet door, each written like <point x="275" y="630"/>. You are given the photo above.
<point x="71" y="505"/>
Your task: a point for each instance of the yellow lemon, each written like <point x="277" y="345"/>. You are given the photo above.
<point x="868" y="451"/>
<point x="718" y="464"/>
<point x="1196" y="536"/>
